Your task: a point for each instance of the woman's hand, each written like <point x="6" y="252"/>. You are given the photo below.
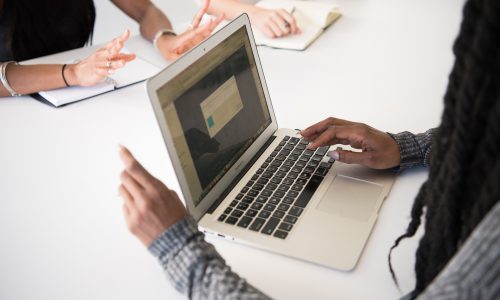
<point x="274" y="22"/>
<point x="378" y="149"/>
<point x="174" y="46"/>
<point x="100" y="64"/>
<point x="150" y="207"/>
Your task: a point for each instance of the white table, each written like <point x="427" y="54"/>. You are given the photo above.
<point x="62" y="231"/>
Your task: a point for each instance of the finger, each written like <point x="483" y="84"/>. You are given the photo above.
<point x="289" y="19"/>
<point x="321" y="126"/>
<point x="351" y="157"/>
<point x="335" y="133"/>
<point x="128" y="201"/>
<point x="275" y="27"/>
<point x="281" y="22"/>
<point x="135" y="169"/>
<point x="132" y="186"/>
<point x="199" y="15"/>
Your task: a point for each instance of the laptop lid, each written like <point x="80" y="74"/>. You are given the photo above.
<point x="214" y="112"/>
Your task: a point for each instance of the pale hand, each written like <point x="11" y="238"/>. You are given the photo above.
<point x="93" y="69"/>
<point x="274" y="23"/>
<point x="378" y="149"/>
<point x="174" y="46"/>
<point x="149" y="206"/>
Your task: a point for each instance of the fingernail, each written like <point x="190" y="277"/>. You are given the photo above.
<point x="333" y="154"/>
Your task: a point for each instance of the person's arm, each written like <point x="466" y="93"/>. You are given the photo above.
<point x="272" y="22"/>
<point x="156" y="216"/>
<point x="474" y="272"/>
<point x="414" y="149"/>
<point x="376" y="149"/>
<point x="27" y="79"/>
<point x="151" y="21"/>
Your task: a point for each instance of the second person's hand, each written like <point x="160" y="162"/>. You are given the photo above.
<point x="274" y="23"/>
<point x="378" y="149"/>
<point x="173" y="46"/>
<point x="100" y="64"/>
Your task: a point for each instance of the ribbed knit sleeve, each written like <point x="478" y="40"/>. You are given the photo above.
<point x="414" y="149"/>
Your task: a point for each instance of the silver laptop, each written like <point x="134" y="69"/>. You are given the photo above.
<point x="244" y="179"/>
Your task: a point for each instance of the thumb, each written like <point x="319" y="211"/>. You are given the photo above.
<point x="350" y="157"/>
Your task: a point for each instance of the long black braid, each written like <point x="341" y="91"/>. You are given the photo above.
<point x="464" y="175"/>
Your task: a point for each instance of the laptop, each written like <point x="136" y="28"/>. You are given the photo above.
<point x="245" y="179"/>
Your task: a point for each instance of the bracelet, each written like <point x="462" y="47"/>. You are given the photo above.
<point x="161" y="33"/>
<point x="64" y="77"/>
<point x="5" y="82"/>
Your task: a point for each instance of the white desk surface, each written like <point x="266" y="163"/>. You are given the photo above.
<point x="62" y="231"/>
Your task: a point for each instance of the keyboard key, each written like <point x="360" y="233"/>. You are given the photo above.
<point x="244" y="190"/>
<point x="221" y="218"/>
<point x="280" y="157"/>
<point x="284" y="169"/>
<point x="269" y="207"/>
<point x="262" y="199"/>
<point x="280" y="234"/>
<point x="297" y="187"/>
<point x="292" y="175"/>
<point x="269" y="159"/>
<point x="253" y="192"/>
<point x="274" y="153"/>
<point x="264" y="214"/>
<point x="300" y="164"/>
<point x="283" y="207"/>
<point x="305" y="176"/>
<point x="262" y="180"/>
<point x="285" y="226"/>
<point x="322" y="150"/>
<point x="247" y="200"/>
<point x="276" y="163"/>
<point x="292" y="194"/>
<point x="297" y="169"/>
<point x="290" y="219"/>
<point x="285" y="152"/>
<point x="256" y="206"/>
<point x="297" y="152"/>
<point x="308" y="169"/>
<point x="244" y="222"/>
<point x="294" y="157"/>
<point x="288" y="181"/>
<point x="294" y="140"/>
<point x="278" y="214"/>
<point x="257" y="224"/>
<point x="270" y="226"/>
<point x="274" y="201"/>
<point x="295" y="211"/>
<point x="231" y="220"/>
<point x="266" y="193"/>
<point x="259" y="171"/>
<point x="326" y="165"/>
<point x="280" y="174"/>
<point x="242" y="206"/>
<point x="239" y="196"/>
<point x="301" y="181"/>
<point x="288" y="200"/>
<point x="304" y="158"/>
<point x="251" y="213"/>
<point x="288" y="163"/>
<point x="271" y="186"/>
<point x="313" y="163"/>
<point x="250" y="183"/>
<point x="283" y="188"/>
<point x="321" y="171"/>
<point x="279" y="194"/>
<point x="303" y="142"/>
<point x="255" y="177"/>
<point x="275" y="180"/>
<point x="308" y="153"/>
<point x="308" y="191"/>
<point x="233" y="203"/>
<point x="301" y="147"/>
<point x="272" y="169"/>
<point x="317" y="158"/>
<point x="267" y="174"/>
<point x="282" y="143"/>
<point x="288" y="147"/>
<point x="228" y="210"/>
<point x="264" y="165"/>
<point x="286" y="138"/>
<point x="237" y="213"/>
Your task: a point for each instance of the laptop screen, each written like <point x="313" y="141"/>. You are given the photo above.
<point x="214" y="110"/>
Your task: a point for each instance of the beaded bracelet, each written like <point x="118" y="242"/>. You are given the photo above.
<point x="5" y="82"/>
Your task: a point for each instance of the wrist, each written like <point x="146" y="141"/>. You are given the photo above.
<point x="70" y="74"/>
<point x="163" y="36"/>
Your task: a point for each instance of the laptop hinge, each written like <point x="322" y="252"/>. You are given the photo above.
<point x="240" y="175"/>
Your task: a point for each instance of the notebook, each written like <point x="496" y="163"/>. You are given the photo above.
<point x="245" y="179"/>
<point x="135" y="71"/>
<point x="312" y="19"/>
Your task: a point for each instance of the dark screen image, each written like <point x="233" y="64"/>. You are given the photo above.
<point x="212" y="157"/>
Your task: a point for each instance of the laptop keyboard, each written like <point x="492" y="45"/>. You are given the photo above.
<point x="274" y="198"/>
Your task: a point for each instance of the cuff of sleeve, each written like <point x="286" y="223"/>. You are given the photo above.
<point x="409" y="150"/>
<point x="174" y="238"/>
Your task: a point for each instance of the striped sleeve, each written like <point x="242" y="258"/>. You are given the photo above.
<point x="414" y="149"/>
<point x="194" y="267"/>
<point x="474" y="272"/>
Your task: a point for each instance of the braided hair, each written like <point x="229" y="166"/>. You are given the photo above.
<point x="464" y="176"/>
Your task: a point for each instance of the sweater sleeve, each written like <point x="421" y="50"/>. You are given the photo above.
<point x="194" y="267"/>
<point x="414" y="149"/>
<point x="474" y="272"/>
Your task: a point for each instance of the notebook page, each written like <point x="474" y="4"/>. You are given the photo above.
<point x="133" y="72"/>
<point x="67" y="95"/>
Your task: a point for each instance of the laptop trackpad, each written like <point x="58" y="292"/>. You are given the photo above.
<point x="350" y="198"/>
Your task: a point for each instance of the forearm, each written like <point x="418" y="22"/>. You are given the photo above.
<point x="195" y="268"/>
<point x="27" y="79"/>
<point x="231" y="8"/>
<point x="414" y="149"/>
<point x="150" y="18"/>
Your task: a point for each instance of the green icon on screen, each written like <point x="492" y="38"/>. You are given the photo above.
<point x="210" y="122"/>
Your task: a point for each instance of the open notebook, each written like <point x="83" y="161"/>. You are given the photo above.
<point x="312" y="19"/>
<point x="135" y="71"/>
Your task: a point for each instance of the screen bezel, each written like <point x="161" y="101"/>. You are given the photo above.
<point x="156" y="82"/>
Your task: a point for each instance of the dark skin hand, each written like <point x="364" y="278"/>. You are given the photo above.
<point x="378" y="149"/>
